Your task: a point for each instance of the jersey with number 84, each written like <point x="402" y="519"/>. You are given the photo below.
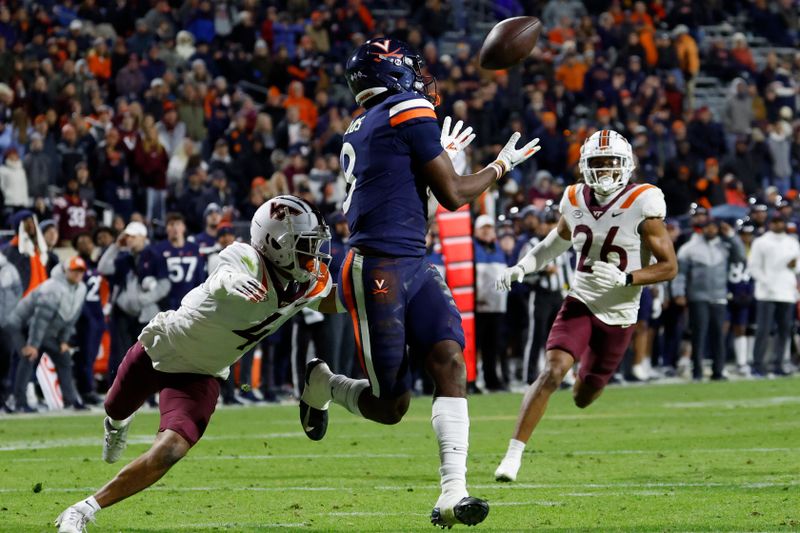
<point x="610" y="233"/>
<point x="213" y="328"/>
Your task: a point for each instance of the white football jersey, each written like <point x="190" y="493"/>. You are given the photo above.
<point x="610" y="233"/>
<point x="212" y="329"/>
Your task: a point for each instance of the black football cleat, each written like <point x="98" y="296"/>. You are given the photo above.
<point x="315" y="400"/>
<point x="469" y="511"/>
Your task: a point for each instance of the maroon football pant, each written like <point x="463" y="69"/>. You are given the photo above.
<point x="598" y="347"/>
<point x="186" y="401"/>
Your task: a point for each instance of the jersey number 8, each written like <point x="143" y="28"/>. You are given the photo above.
<point x="347" y="169"/>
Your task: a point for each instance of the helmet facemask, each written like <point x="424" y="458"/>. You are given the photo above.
<point x="309" y="257"/>
<point x="606" y="174"/>
<point x="290" y="234"/>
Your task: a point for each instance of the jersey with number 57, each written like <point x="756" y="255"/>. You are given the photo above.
<point x="213" y="328"/>
<point x="386" y="204"/>
<point x="610" y="233"/>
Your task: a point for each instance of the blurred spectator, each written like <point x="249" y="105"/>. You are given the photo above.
<point x="779" y="141"/>
<point x="28" y="252"/>
<point x="136" y="290"/>
<point x="705" y="135"/>
<point x="171" y="131"/>
<point x="703" y="267"/>
<point x="710" y="189"/>
<point x="71" y="212"/>
<point x="13" y="180"/>
<point x="10" y="294"/>
<point x="207" y="240"/>
<point x="737" y="115"/>
<point x="741" y="304"/>
<point x="39" y="167"/>
<point x="49" y="230"/>
<point x="773" y="264"/>
<point x="92" y="323"/>
<point x="547" y="290"/>
<point x="151" y="162"/>
<point x="742" y="164"/>
<point x="176" y="262"/>
<point x="44" y="322"/>
<point x="490" y="304"/>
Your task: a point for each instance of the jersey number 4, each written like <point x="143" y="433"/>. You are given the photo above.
<point x="607" y="248"/>
<point x="254" y="334"/>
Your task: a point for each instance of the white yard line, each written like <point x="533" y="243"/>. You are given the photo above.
<point x="620" y="487"/>
<point x="83" y="442"/>
<point x="751" y="403"/>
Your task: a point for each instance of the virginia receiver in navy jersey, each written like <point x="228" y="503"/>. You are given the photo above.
<point x="386" y="205"/>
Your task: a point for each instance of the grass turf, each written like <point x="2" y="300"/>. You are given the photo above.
<point x="699" y="457"/>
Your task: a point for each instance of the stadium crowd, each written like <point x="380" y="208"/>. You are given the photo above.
<point x="138" y="138"/>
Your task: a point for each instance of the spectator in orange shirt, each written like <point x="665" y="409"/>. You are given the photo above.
<point x="296" y="98"/>
<point x="572" y="73"/>
<point x="740" y="52"/>
<point x="563" y="32"/>
<point x="99" y="60"/>
<point x="688" y="54"/>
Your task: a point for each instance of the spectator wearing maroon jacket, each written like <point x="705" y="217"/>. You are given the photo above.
<point x="70" y="212"/>
<point x="151" y="161"/>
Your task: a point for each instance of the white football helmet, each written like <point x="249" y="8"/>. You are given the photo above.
<point x="606" y="162"/>
<point x="290" y="233"/>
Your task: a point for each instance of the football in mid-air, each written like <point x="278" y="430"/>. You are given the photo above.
<point x="509" y="42"/>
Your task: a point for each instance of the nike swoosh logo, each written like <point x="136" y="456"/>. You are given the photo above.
<point x="615" y="215"/>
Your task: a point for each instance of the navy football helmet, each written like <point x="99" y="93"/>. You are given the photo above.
<point x="384" y="64"/>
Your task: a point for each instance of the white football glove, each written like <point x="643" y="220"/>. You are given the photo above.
<point x="245" y="287"/>
<point x="608" y="276"/>
<point x="510" y="156"/>
<point x="509" y="275"/>
<point x="456" y="140"/>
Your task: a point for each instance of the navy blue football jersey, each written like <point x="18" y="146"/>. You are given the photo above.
<point x="386" y="204"/>
<point x="184" y="267"/>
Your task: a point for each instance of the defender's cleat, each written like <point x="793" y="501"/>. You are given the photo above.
<point x="73" y="520"/>
<point x="507" y="471"/>
<point x="115" y="440"/>
<point x="468" y="511"/>
<point x="315" y="399"/>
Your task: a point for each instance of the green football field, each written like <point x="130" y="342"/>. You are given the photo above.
<point x="699" y="457"/>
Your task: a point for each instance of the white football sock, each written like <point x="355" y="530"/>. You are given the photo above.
<point x="450" y="419"/>
<point x="346" y="391"/>
<point x="117" y="424"/>
<point x="515" y="449"/>
<point x="88" y="507"/>
<point x="740" y="349"/>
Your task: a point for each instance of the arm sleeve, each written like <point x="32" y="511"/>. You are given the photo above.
<point x="548" y="249"/>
